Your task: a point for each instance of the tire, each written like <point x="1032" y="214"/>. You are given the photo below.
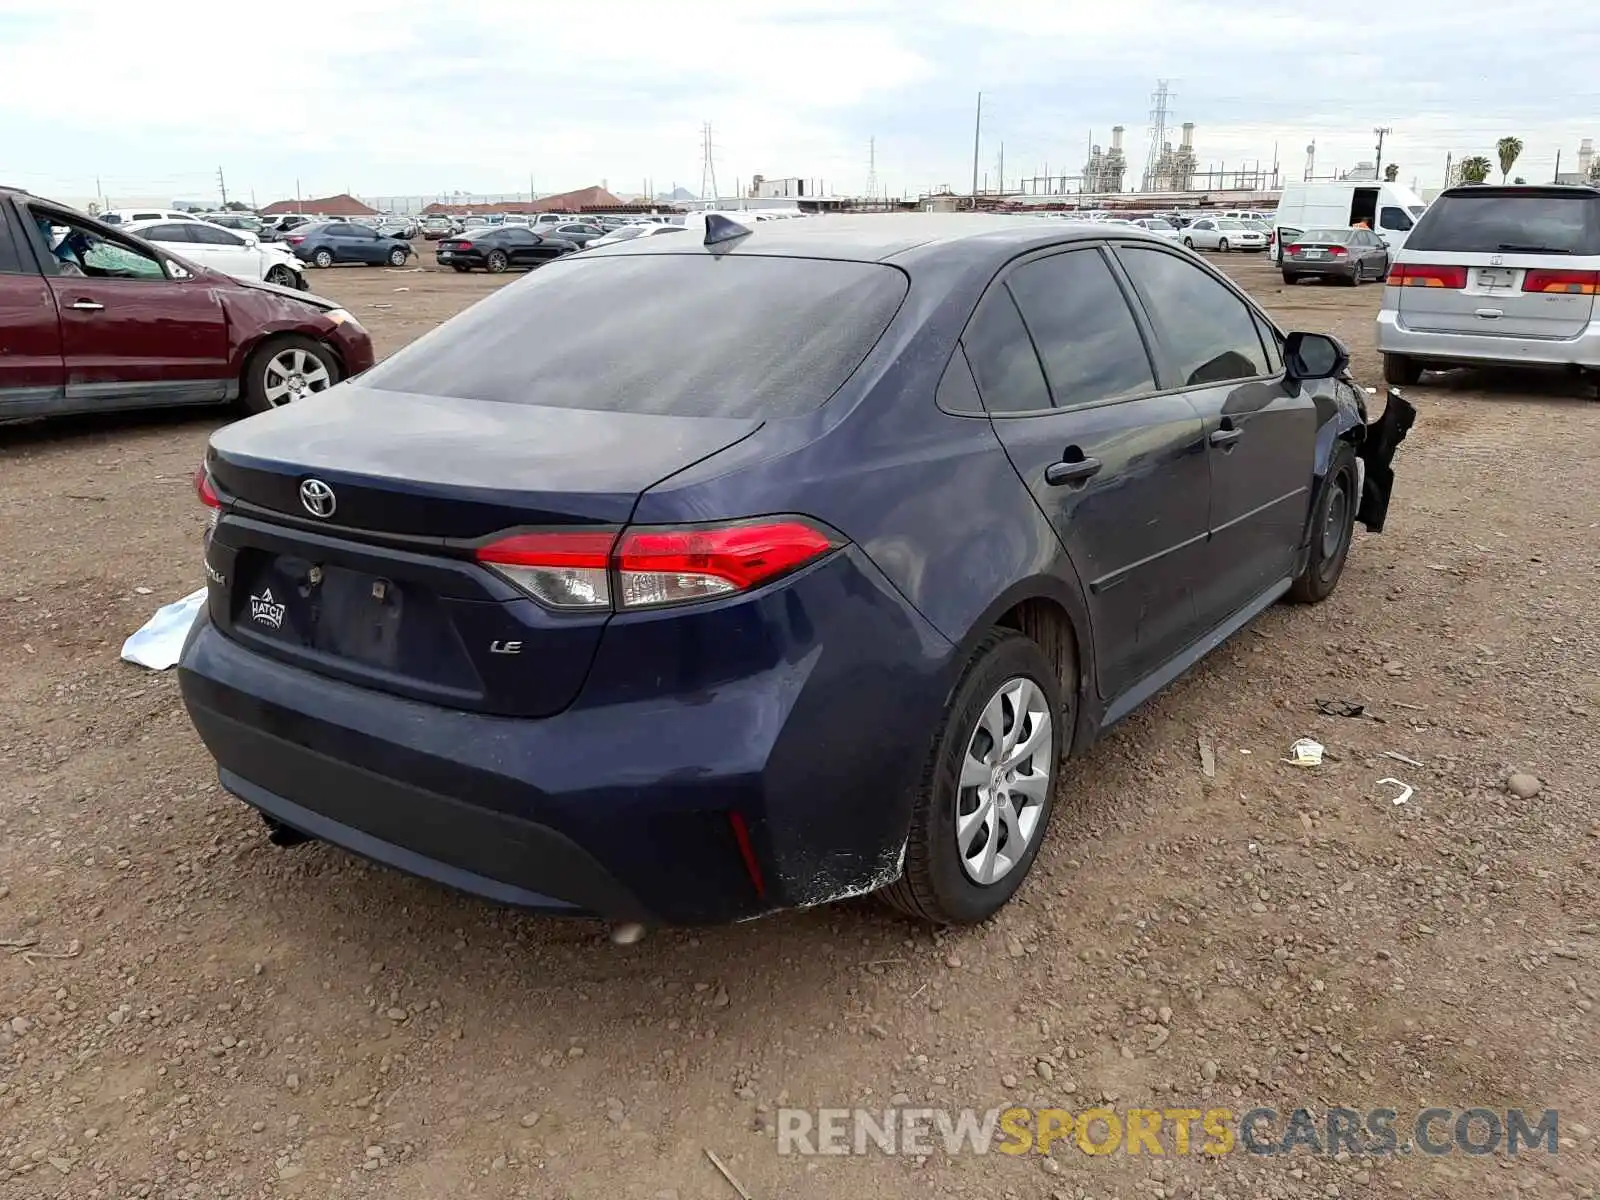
<point x="462" y="267"/>
<point x="1188" y="243"/>
<point x="323" y="258"/>
<point x="1222" y="245"/>
<point x="1290" y="277"/>
<point x="1333" y="522"/>
<point x="284" y="369"/>
<point x="941" y="883"/>
<point x="397" y="257"/>
<point x="282" y="276"/>
<point x="1400" y="370"/>
<point x="1355" y="277"/>
<point x="497" y="262"/>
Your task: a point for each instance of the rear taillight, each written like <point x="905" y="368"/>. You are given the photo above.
<point x="1293" y="249"/>
<point x="1570" y="283"/>
<point x="648" y="567"/>
<point x="203" y="489"/>
<point x="1337" y="251"/>
<point x="1422" y="275"/>
<point x="294" y="239"/>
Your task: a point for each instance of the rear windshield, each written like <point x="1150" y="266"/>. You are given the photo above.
<point x="1326" y="235"/>
<point x="729" y="336"/>
<point x="1491" y="222"/>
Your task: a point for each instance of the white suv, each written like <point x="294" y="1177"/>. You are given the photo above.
<point x="1495" y="275"/>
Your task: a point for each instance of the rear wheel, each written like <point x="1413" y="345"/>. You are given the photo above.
<point x="1290" y="277"/>
<point x="323" y="258"/>
<point x="1189" y="242"/>
<point x="496" y="262"/>
<point x="986" y="796"/>
<point x="1400" y="370"/>
<point x="1332" y="524"/>
<point x="285" y="369"/>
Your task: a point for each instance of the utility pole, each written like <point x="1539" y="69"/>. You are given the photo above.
<point x="708" y="166"/>
<point x="1000" y="171"/>
<point x="1381" y="131"/>
<point x="298" y="206"/>
<point x="1556" y="178"/>
<point x="977" y="134"/>
<point x="222" y="186"/>
<point x="872" y="168"/>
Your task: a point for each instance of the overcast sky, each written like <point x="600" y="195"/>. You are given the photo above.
<point x="400" y="97"/>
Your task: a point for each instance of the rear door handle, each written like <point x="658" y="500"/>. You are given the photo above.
<point x="87" y="306"/>
<point x="1058" y="473"/>
<point x="1225" y="437"/>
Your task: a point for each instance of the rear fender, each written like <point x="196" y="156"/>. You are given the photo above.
<point x="1380" y="441"/>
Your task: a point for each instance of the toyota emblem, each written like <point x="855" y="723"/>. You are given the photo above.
<point x="318" y="498"/>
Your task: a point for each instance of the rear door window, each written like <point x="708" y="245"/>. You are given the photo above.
<point x="1084" y="331"/>
<point x="1003" y="359"/>
<point x="1209" y="333"/>
<point x="1500" y="222"/>
<point x="738" y="335"/>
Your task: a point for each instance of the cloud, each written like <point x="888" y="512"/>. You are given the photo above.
<point x="396" y="98"/>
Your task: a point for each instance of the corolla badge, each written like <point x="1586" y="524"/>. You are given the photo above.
<point x="318" y="498"/>
<point x="264" y="610"/>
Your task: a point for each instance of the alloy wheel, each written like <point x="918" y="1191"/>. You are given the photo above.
<point x="1005" y="777"/>
<point x="293" y="374"/>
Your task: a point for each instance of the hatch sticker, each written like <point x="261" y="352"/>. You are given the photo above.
<point x="264" y="610"/>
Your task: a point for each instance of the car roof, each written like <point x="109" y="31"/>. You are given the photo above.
<point x="902" y="238"/>
<point x="1538" y="190"/>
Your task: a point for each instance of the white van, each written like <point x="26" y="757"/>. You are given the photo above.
<point x="1391" y="209"/>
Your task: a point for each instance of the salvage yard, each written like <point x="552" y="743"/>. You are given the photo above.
<point x="187" y="1011"/>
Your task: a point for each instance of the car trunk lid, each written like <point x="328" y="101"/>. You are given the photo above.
<point x="1496" y="295"/>
<point x="349" y="525"/>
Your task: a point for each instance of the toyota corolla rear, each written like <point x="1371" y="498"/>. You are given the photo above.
<point x="438" y="633"/>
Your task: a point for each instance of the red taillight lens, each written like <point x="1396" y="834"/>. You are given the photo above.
<point x="649" y="567"/>
<point x="1291" y="249"/>
<point x="294" y="239"/>
<point x="560" y="569"/>
<point x="1571" y="283"/>
<point x="203" y="489"/>
<point x="670" y="566"/>
<point x="1422" y="275"/>
<point x="1337" y="251"/>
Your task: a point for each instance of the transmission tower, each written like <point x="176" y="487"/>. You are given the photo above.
<point x="1161" y="99"/>
<point x="872" y="168"/>
<point x="708" y="166"/>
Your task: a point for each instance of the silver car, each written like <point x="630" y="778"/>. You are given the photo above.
<point x="1160" y="227"/>
<point x="1224" y="234"/>
<point x="1495" y="275"/>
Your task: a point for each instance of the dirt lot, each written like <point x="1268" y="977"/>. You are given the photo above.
<point x="186" y="1011"/>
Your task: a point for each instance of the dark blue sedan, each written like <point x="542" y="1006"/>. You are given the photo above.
<point x="806" y="587"/>
<point x="332" y="242"/>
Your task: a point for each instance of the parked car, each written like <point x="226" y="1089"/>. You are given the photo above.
<point x="335" y="242"/>
<point x="499" y="247"/>
<point x="1351" y="256"/>
<point x="1159" y="226"/>
<point x="1222" y="234"/>
<point x="285" y="224"/>
<point x="437" y="226"/>
<point x="404" y="228"/>
<point x="1496" y="275"/>
<point x="241" y="255"/>
<point x="506" y="597"/>
<point x="579" y="233"/>
<point x="243" y="223"/>
<point x="97" y="320"/>
<point x="121" y="216"/>
<point x="627" y="233"/>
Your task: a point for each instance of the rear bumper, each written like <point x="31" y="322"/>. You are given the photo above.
<point x="623" y="805"/>
<point x="1466" y="348"/>
<point x="1336" y="269"/>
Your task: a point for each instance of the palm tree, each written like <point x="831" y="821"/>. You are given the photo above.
<point x="1509" y="149"/>
<point x="1475" y="169"/>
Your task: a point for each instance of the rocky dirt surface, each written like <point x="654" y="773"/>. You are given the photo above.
<point x="188" y="1012"/>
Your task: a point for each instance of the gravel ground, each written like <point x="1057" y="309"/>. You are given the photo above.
<point x="186" y="1011"/>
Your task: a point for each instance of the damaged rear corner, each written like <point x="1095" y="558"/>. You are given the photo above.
<point x="1378" y="442"/>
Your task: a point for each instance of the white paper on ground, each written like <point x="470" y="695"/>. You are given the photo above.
<point x="160" y="639"/>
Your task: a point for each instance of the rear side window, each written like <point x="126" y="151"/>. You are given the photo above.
<point x="714" y="336"/>
<point x="1002" y="357"/>
<point x="10" y="251"/>
<point x="1508" y="222"/>
<point x="1208" y="331"/>
<point x="178" y="231"/>
<point x="1083" y="329"/>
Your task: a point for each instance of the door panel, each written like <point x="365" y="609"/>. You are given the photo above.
<point x="1121" y="477"/>
<point x="1259" y="432"/>
<point x="32" y="374"/>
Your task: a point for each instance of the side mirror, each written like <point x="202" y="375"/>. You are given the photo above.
<point x="251" y="240"/>
<point x="1314" y="356"/>
<point x="174" y="271"/>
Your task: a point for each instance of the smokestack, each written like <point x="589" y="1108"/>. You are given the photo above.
<point x="1188" y="135"/>
<point x="1585" y="155"/>
<point x="1116" y="137"/>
